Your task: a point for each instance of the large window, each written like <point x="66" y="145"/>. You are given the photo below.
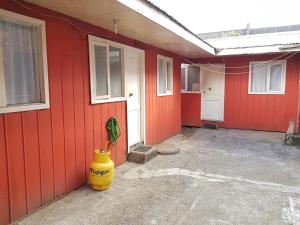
<point x="106" y="67"/>
<point x="267" y="77"/>
<point x="190" y="78"/>
<point x="23" y="63"/>
<point x="164" y="76"/>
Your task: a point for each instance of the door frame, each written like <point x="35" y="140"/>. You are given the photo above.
<point x="201" y="88"/>
<point x="142" y="94"/>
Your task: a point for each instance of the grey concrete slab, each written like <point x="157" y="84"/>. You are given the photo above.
<point x="220" y="177"/>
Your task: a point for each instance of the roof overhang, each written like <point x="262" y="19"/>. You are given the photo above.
<point x="135" y="19"/>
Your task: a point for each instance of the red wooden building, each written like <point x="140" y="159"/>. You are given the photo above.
<point x="236" y="106"/>
<point x="67" y="66"/>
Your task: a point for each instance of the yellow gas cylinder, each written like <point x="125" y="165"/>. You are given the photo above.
<point x="101" y="170"/>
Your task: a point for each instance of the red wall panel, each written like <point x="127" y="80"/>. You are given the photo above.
<point x="190" y="109"/>
<point x="16" y="165"/>
<point x="4" y="185"/>
<point x="46" y="153"/>
<point x="241" y="110"/>
<point x="163" y="113"/>
<point x="32" y="160"/>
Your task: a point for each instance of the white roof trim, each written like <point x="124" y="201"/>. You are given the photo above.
<point x="165" y="22"/>
<point x="257" y="50"/>
<point x="257" y="44"/>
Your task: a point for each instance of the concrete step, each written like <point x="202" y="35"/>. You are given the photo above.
<point x="142" y="154"/>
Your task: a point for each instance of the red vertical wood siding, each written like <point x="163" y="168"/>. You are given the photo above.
<point x="46" y="153"/>
<point x="190" y="109"/>
<point x="241" y="110"/>
<point x="4" y="184"/>
<point x="163" y="113"/>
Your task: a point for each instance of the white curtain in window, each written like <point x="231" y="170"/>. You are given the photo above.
<point x="19" y="45"/>
<point x="275" y="77"/>
<point x="259" y="73"/>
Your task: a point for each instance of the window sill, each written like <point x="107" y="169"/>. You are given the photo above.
<point x="99" y="101"/>
<point x="266" y="93"/>
<point x="168" y="94"/>
<point x="190" y="92"/>
<point x="23" y="108"/>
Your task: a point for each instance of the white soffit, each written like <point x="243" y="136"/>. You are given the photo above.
<point x="136" y="20"/>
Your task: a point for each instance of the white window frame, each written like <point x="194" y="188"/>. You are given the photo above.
<point x="165" y="60"/>
<point x="268" y="91"/>
<point x="185" y="67"/>
<point x="44" y="87"/>
<point x="96" y="41"/>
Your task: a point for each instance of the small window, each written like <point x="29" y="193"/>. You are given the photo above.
<point x="267" y="78"/>
<point x="164" y="76"/>
<point x="190" y="78"/>
<point x="106" y="66"/>
<point x="23" y="63"/>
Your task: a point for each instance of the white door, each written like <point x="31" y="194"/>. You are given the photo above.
<point x="133" y="75"/>
<point x="212" y="98"/>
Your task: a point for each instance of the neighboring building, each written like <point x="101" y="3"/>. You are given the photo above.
<point x="67" y="66"/>
<point x="249" y="31"/>
<point x="266" y="100"/>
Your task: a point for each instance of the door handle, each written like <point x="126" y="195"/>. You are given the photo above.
<point x="130" y="94"/>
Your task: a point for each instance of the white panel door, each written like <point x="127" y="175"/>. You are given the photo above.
<point x="133" y="93"/>
<point x="212" y="99"/>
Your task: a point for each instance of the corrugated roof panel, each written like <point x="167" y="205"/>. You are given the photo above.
<point x="260" y="40"/>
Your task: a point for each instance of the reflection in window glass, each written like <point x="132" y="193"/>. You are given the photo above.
<point x="101" y="71"/>
<point x="183" y="74"/>
<point x="275" y="77"/>
<point x="161" y="77"/>
<point x="115" y="71"/>
<point x="169" y="76"/>
<point x="193" y="78"/>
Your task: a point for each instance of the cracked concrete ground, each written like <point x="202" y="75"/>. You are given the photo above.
<point x="220" y="177"/>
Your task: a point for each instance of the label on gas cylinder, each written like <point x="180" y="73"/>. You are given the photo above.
<point x="99" y="172"/>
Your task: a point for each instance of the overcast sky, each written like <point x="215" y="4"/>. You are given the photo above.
<point x="202" y="16"/>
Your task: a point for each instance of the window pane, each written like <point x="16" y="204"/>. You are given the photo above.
<point x="193" y="78"/>
<point x="259" y="77"/>
<point x="101" y="70"/>
<point x="182" y="78"/>
<point x="275" y="77"/>
<point x="161" y="77"/>
<point x="21" y="64"/>
<point x="115" y="72"/>
<point x="169" y="76"/>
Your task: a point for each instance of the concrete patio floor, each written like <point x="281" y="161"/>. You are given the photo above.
<point x="220" y="177"/>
